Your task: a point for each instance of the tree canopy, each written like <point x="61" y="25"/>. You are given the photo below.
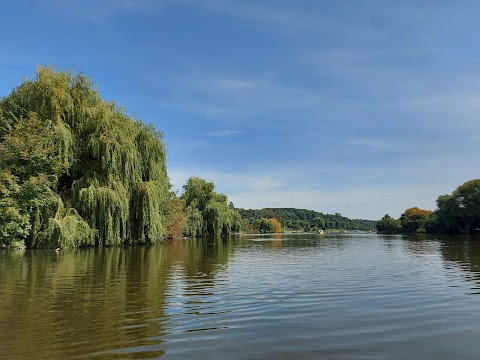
<point x="456" y="213"/>
<point x="413" y="220"/>
<point x="388" y="225"/>
<point x="302" y="219"/>
<point x="459" y="212"/>
<point x="77" y="170"/>
<point x="208" y="213"/>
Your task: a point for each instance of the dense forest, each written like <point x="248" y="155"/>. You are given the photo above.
<point x="456" y="213"/>
<point x="304" y="220"/>
<point x="76" y="170"/>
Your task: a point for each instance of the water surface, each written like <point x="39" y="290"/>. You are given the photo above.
<point x="349" y="296"/>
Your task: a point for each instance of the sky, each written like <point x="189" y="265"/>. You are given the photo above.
<point x="357" y="107"/>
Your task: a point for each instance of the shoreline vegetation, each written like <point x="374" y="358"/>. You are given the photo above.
<point x="456" y="213"/>
<point x="292" y="219"/>
<point x="76" y="170"/>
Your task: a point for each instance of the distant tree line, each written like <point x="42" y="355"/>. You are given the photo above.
<point x="456" y="213"/>
<point x="305" y="220"/>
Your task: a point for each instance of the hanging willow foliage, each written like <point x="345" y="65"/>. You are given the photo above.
<point x="66" y="229"/>
<point x="107" y="209"/>
<point x="194" y="223"/>
<point x="108" y="170"/>
<point x="146" y="222"/>
<point x="207" y="212"/>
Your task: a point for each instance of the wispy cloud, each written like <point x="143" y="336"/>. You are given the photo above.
<point x="457" y="105"/>
<point x="103" y="10"/>
<point x="380" y="145"/>
<point x="226" y="181"/>
<point x="371" y="191"/>
<point x="225" y="133"/>
<point x="356" y="202"/>
<point x="278" y="18"/>
<point x="395" y="145"/>
<point x="235" y="101"/>
<point x="236" y="84"/>
<point x="377" y="99"/>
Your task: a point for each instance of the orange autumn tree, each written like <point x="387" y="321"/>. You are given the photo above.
<point x="277" y="225"/>
<point x="413" y="220"/>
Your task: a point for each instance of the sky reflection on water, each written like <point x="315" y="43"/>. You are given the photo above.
<point x="284" y="296"/>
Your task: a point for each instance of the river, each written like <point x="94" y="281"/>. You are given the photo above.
<point x="289" y="296"/>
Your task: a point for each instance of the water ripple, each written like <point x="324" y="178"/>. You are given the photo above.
<point x="308" y="297"/>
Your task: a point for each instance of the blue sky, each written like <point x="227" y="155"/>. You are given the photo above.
<point x="357" y="107"/>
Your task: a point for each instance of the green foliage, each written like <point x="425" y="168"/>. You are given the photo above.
<point x="198" y="192"/>
<point x="66" y="229"/>
<point x="431" y="223"/>
<point x="456" y="213"/>
<point x="194" y="223"/>
<point x="450" y="217"/>
<point x="60" y="140"/>
<point x="264" y="226"/>
<point x="460" y="211"/>
<point x="301" y="219"/>
<point x="413" y="220"/>
<point x="30" y="164"/>
<point x="14" y="224"/>
<point x="174" y="211"/>
<point x="107" y="208"/>
<point x="208" y="213"/>
<point x="33" y="147"/>
<point x="388" y="225"/>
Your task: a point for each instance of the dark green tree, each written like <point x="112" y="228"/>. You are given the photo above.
<point x="413" y="220"/>
<point x="264" y="226"/>
<point x="467" y="196"/>
<point x="297" y="219"/>
<point x="388" y="225"/>
<point x="460" y="211"/>
<point x="77" y="170"/>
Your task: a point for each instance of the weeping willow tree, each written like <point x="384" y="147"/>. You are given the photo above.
<point x="208" y="213"/>
<point x="77" y="170"/>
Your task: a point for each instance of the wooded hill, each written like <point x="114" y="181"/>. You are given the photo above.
<point x="307" y="220"/>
